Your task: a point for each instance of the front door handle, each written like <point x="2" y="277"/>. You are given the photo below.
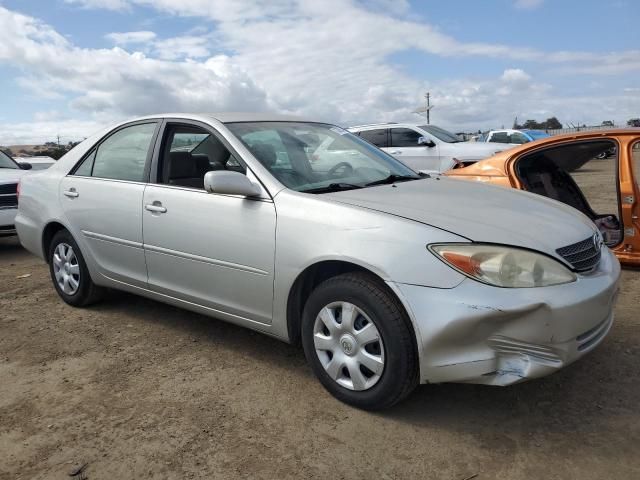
<point x="71" y="193"/>
<point x="396" y="152"/>
<point x="155" y="207"/>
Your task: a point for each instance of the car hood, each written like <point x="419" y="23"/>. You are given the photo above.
<point x="11" y="175"/>
<point x="478" y="212"/>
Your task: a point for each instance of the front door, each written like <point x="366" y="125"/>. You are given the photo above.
<point x="595" y="176"/>
<point x="213" y="250"/>
<point x="629" y="250"/>
<point x="102" y="200"/>
<point x="404" y="146"/>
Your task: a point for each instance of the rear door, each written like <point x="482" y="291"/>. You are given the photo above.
<point x="217" y="251"/>
<point x="102" y="201"/>
<point x="378" y="137"/>
<point x="404" y="146"/>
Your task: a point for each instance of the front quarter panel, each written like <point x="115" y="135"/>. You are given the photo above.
<point x="311" y="229"/>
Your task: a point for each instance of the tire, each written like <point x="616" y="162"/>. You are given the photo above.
<point x="79" y="290"/>
<point x="360" y="299"/>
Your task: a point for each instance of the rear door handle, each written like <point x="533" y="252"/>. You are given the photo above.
<point x="155" y="207"/>
<point x="396" y="152"/>
<point x="71" y="193"/>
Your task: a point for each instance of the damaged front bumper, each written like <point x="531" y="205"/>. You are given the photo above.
<point x="476" y="333"/>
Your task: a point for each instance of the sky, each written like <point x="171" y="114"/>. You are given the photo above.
<point x="71" y="67"/>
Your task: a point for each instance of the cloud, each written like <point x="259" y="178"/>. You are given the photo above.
<point x="327" y="60"/>
<point x="127" y="38"/>
<point x="528" y="4"/>
<point x="106" y="4"/>
<point x="113" y="83"/>
<point x="187" y="46"/>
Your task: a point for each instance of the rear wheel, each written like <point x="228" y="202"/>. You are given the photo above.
<point x="69" y="272"/>
<point x="359" y="343"/>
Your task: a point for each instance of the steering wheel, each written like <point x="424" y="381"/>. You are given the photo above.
<point x="348" y="168"/>
<point x="293" y="175"/>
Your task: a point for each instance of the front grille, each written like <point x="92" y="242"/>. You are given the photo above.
<point x="8" y="188"/>
<point x="7" y="200"/>
<point x="583" y="255"/>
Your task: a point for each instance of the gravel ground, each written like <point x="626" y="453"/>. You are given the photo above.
<point x="138" y="389"/>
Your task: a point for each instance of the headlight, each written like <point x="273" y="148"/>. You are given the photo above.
<point x="503" y="266"/>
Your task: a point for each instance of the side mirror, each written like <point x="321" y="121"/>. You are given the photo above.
<point x="230" y="183"/>
<point x="426" y="142"/>
<point x="25" y="165"/>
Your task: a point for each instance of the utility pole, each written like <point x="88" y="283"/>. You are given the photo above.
<point x="58" y="140"/>
<point x="426" y="109"/>
<point x="427" y="96"/>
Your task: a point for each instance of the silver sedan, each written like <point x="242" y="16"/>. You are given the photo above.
<point x="388" y="278"/>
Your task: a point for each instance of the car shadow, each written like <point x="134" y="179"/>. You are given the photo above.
<point x="201" y="328"/>
<point x="10" y="247"/>
<point x="581" y="396"/>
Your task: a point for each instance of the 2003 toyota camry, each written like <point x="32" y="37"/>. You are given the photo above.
<point x="388" y="278"/>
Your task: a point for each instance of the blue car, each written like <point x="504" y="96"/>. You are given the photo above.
<point x="512" y="136"/>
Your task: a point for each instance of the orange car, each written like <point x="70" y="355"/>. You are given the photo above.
<point x="596" y="172"/>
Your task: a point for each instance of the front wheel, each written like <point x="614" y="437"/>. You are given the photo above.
<point x="69" y="272"/>
<point x="359" y="343"/>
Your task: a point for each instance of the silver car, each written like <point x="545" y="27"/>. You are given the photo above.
<point x="388" y="278"/>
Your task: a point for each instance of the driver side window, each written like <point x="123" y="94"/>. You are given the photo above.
<point x="189" y="152"/>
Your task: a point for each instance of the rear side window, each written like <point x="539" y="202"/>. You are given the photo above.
<point x="85" y="167"/>
<point x="122" y="156"/>
<point x="404" y="137"/>
<point x="377" y="137"/>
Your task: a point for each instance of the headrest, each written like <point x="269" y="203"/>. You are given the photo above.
<point x="265" y="153"/>
<point x="182" y="165"/>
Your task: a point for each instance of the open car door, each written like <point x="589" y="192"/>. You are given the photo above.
<point x="596" y="174"/>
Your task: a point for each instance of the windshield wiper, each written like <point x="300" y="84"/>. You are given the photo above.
<point x="333" y="187"/>
<point x="393" y="179"/>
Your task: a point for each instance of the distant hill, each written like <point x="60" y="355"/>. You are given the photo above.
<point x="49" y="149"/>
<point x="25" y="150"/>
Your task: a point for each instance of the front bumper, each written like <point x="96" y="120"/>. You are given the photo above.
<point x="7" y="219"/>
<point x="476" y="333"/>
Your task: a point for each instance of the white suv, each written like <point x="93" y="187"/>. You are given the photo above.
<point x="425" y="148"/>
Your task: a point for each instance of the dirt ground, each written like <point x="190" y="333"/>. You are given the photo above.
<point x="138" y="389"/>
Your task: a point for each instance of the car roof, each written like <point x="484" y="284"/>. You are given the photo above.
<point x="230" y="117"/>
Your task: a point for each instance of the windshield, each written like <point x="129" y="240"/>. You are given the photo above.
<point x="441" y="133"/>
<point x="6" y="161"/>
<point x="317" y="158"/>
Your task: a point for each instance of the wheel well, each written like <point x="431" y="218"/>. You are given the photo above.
<point x="47" y="235"/>
<point x="311" y="277"/>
